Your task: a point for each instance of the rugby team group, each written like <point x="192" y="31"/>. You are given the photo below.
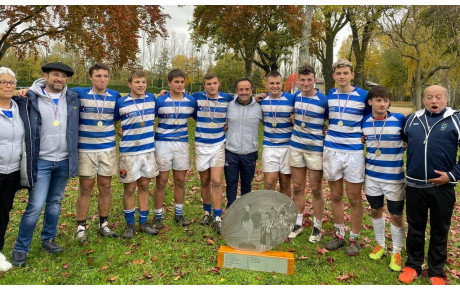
<point x="51" y="133"/>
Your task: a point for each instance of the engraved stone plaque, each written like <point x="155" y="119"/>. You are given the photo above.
<point x="259" y="221"/>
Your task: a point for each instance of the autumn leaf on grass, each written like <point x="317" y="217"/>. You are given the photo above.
<point x="258" y="278"/>
<point x="321" y="251"/>
<point x="154" y="259"/>
<point x="90" y="252"/>
<point x="64" y="275"/>
<point x="104" y="267"/>
<point x="90" y="261"/>
<point x="138" y="262"/>
<point x="346" y="277"/>
<point x="330" y="259"/>
<point x="302" y="257"/>
<point x="65" y="266"/>
<point x="146" y="275"/>
<point x="177" y="278"/>
<point x="214" y="270"/>
<point x="455" y="273"/>
<point x="112" y="279"/>
<point x="210" y="241"/>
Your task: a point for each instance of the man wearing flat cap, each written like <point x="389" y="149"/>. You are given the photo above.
<point x="50" y="113"/>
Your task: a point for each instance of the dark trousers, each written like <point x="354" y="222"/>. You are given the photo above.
<point x="239" y="166"/>
<point x="440" y="200"/>
<point x="9" y="184"/>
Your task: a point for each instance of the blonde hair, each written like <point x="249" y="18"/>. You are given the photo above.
<point x="342" y="64"/>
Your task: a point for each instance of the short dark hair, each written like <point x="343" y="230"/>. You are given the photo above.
<point x="241" y="80"/>
<point x="378" y="91"/>
<point x="307" y="70"/>
<point x="98" y="66"/>
<point x="136" y="74"/>
<point x="176" y="73"/>
<point x="209" y="76"/>
<point x="274" y="74"/>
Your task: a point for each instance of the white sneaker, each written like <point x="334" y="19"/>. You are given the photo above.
<point x="315" y="235"/>
<point x="4" y="264"/>
<point x="296" y="231"/>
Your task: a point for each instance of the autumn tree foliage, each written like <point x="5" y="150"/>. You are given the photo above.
<point x="100" y="33"/>
<point x="260" y="34"/>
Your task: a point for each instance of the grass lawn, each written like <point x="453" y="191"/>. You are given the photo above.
<point x="189" y="255"/>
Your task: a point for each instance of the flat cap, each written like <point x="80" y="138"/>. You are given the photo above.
<point x="58" y="66"/>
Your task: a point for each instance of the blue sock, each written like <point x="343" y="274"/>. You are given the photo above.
<point x="179" y="208"/>
<point x="129" y="215"/>
<point x="158" y="213"/>
<point x="217" y="212"/>
<point x="207" y="207"/>
<point x="143" y="216"/>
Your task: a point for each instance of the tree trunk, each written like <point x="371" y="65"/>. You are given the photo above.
<point x="327" y="64"/>
<point x="304" y="49"/>
<point x="248" y="68"/>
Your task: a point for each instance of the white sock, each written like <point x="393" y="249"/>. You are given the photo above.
<point x="397" y="235"/>
<point x="299" y="219"/>
<point x="179" y="208"/>
<point x="340" y="229"/>
<point x="379" y="230"/>
<point x="317" y="223"/>
<point x="158" y="213"/>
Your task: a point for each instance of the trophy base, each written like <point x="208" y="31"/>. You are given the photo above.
<point x="269" y="261"/>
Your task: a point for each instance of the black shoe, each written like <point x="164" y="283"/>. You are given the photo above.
<point x="105" y="230"/>
<point x="158" y="223"/>
<point x="148" y="229"/>
<point x="129" y="231"/>
<point x="181" y="220"/>
<point x="18" y="259"/>
<point x="206" y="219"/>
<point x="51" y="246"/>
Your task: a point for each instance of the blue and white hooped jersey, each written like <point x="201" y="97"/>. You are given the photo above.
<point x="93" y="108"/>
<point x="211" y="115"/>
<point x="173" y="117"/>
<point x="137" y="121"/>
<point x="385" y="150"/>
<point x="277" y="123"/>
<point x="310" y="112"/>
<point x="345" y="138"/>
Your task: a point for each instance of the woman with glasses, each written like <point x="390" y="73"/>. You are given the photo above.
<point x="11" y="141"/>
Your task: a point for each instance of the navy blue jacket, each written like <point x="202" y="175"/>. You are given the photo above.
<point x="30" y="115"/>
<point x="434" y="147"/>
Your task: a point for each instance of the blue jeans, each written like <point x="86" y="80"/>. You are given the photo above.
<point x="49" y="188"/>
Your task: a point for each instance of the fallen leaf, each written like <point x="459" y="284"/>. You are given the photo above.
<point x="183" y="256"/>
<point x="177" y="278"/>
<point x="90" y="252"/>
<point x="154" y="259"/>
<point x="146" y="275"/>
<point x="330" y="259"/>
<point x="104" y="267"/>
<point x="65" y="266"/>
<point x="321" y="250"/>
<point x="303" y="258"/>
<point x="210" y="241"/>
<point x="138" y="262"/>
<point x="90" y="261"/>
<point x="214" y="270"/>
<point x="112" y="279"/>
<point x="291" y="250"/>
<point x="259" y="278"/>
<point x="346" y="277"/>
<point x="65" y="274"/>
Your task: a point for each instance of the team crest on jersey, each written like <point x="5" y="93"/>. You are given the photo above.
<point x="122" y="173"/>
<point x="444" y="126"/>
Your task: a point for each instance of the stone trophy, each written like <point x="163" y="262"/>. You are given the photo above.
<point x="253" y="225"/>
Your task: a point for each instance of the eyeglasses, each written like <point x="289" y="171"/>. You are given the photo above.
<point x="3" y="83"/>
